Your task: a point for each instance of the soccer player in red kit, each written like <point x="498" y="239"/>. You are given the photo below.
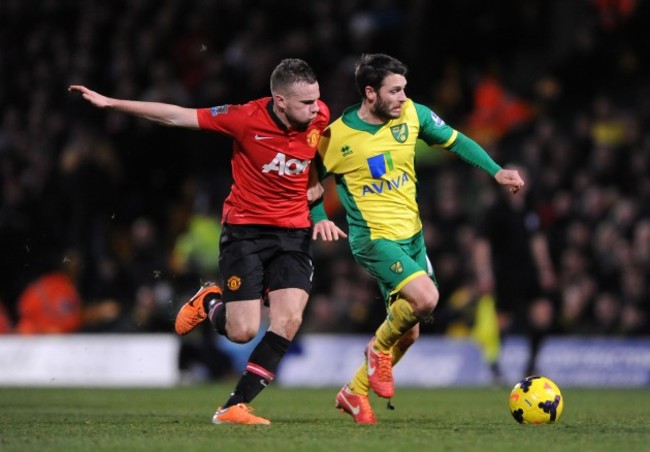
<point x="265" y="245"/>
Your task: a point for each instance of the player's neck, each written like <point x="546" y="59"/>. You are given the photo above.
<point x="366" y="115"/>
<point x="281" y="116"/>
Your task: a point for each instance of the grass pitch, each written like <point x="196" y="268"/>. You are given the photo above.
<point x="445" y="419"/>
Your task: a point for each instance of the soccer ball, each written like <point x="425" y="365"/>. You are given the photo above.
<point x="536" y="400"/>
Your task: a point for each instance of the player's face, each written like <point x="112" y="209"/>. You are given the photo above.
<point x="300" y="105"/>
<point x="390" y="97"/>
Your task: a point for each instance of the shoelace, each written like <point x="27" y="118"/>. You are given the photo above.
<point x="385" y="366"/>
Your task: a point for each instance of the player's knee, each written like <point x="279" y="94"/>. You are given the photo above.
<point x="427" y="302"/>
<point x="241" y="335"/>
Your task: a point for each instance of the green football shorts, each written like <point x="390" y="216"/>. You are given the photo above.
<point x="393" y="263"/>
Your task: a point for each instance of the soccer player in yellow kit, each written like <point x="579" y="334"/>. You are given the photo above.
<point x="370" y="150"/>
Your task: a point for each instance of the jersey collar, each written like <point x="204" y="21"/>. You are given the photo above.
<point x="274" y="117"/>
<point x="351" y="119"/>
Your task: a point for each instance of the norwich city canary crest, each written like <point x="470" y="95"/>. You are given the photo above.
<point x="400" y="132"/>
<point x="397" y="267"/>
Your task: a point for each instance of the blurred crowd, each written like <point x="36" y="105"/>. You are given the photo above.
<point x="108" y="223"/>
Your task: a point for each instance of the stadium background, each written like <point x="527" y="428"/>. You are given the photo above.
<point x="129" y="210"/>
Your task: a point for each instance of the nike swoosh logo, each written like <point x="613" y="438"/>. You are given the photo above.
<point x="371" y="370"/>
<point x="261" y="137"/>
<point x="355" y="409"/>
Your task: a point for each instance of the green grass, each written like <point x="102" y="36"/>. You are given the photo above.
<point x="445" y="419"/>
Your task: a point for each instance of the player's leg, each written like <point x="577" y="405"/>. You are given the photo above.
<point x="254" y="377"/>
<point x="285" y="314"/>
<point x="540" y="322"/>
<point x="288" y="271"/>
<point x="242" y="264"/>
<point x="242" y="320"/>
<point x="415" y="302"/>
<point x="405" y="277"/>
<point x="286" y="307"/>
<point x="241" y="323"/>
<point x="353" y="397"/>
<point x="400" y="319"/>
<point x="404" y="343"/>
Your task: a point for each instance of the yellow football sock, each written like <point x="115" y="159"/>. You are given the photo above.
<point x="359" y="383"/>
<point x="399" y="320"/>
<point x="400" y="348"/>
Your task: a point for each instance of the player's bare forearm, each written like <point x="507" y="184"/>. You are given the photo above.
<point x="166" y="114"/>
<point x="509" y="178"/>
<point x="314" y="192"/>
<point x="315" y="189"/>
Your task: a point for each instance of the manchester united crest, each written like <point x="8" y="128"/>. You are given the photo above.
<point x="233" y="283"/>
<point x="313" y="137"/>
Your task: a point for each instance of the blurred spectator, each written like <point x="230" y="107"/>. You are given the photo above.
<point x="50" y="305"/>
<point x="6" y="325"/>
<point x="496" y="111"/>
<point x="195" y="252"/>
<point x="578" y="290"/>
<point x="562" y="87"/>
<point x="635" y="301"/>
<point x="513" y="263"/>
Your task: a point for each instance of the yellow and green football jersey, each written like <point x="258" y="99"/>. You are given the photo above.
<point x="374" y="166"/>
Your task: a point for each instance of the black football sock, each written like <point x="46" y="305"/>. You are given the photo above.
<point x="216" y="309"/>
<point x="261" y="368"/>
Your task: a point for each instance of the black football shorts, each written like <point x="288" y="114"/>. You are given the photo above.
<point x="255" y="260"/>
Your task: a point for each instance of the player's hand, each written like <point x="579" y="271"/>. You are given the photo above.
<point x="328" y="231"/>
<point x="314" y="192"/>
<point x="91" y="96"/>
<point x="509" y="178"/>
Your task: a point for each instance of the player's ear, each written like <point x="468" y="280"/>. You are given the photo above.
<point x="370" y="93"/>
<point x="279" y="100"/>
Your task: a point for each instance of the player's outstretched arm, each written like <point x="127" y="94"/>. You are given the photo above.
<point x="509" y="178"/>
<point x="328" y="231"/>
<point x="166" y="114"/>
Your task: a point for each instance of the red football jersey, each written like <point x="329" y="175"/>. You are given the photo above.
<point x="270" y="164"/>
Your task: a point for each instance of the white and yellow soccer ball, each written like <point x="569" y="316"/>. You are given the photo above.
<point x="536" y="400"/>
